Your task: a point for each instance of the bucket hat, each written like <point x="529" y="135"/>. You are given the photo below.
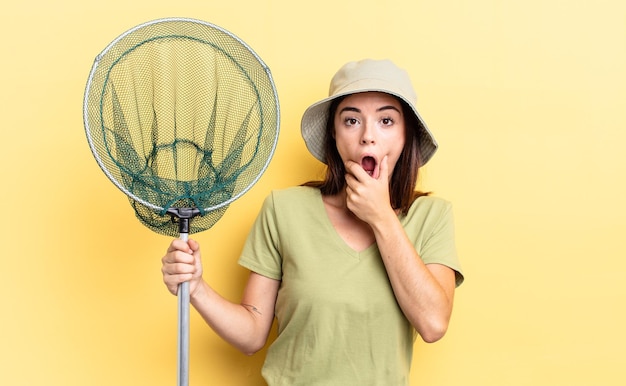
<point x="363" y="76"/>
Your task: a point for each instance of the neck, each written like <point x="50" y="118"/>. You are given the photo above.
<point x="339" y="203"/>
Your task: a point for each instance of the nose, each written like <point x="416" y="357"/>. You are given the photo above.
<point x="367" y="137"/>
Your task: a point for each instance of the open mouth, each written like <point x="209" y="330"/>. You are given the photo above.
<point x="369" y="165"/>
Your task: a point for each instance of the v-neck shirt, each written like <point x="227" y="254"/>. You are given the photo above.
<point x="338" y="320"/>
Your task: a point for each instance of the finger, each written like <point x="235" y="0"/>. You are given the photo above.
<point x="384" y="169"/>
<point x="177" y="268"/>
<point x="193" y="245"/>
<point x="352" y="167"/>
<point x="179" y="245"/>
<point x="353" y="187"/>
<point x="351" y="180"/>
<point x="173" y="281"/>
<point x="356" y="170"/>
<point x="182" y="268"/>
<point x="184" y="257"/>
<point x="176" y="257"/>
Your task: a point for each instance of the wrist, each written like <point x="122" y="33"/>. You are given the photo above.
<point x="200" y="291"/>
<point x="386" y="222"/>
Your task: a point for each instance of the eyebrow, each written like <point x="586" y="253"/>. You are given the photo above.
<point x="383" y="108"/>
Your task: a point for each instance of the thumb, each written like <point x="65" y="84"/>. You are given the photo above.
<point x="193" y="245"/>
<point x="195" y="251"/>
<point x="384" y="169"/>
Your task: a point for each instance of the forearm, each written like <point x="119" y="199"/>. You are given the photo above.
<point x="424" y="299"/>
<point x="237" y="324"/>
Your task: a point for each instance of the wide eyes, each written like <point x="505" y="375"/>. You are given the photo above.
<point x="352" y="121"/>
<point x="387" y="121"/>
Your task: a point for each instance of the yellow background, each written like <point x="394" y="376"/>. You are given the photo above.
<point x="527" y="99"/>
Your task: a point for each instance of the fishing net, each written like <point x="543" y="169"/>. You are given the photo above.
<point x="183" y="117"/>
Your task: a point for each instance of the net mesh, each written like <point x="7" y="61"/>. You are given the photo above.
<point x="181" y="114"/>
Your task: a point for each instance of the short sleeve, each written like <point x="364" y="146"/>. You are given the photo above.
<point x="261" y="251"/>
<point x="430" y="225"/>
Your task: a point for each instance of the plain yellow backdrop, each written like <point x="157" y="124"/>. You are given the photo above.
<point x="528" y="102"/>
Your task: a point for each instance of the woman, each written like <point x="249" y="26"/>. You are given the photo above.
<point x="353" y="267"/>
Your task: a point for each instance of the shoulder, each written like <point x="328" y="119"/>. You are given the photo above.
<point x="290" y="201"/>
<point x="430" y="204"/>
<point x="296" y="195"/>
<point x="427" y="213"/>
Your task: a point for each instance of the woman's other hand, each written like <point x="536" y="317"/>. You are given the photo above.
<point x="182" y="263"/>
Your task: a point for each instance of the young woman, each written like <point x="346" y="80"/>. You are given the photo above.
<point x="353" y="267"/>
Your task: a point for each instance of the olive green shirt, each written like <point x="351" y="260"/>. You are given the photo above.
<point x="338" y="320"/>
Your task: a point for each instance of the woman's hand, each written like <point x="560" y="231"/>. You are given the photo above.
<point x="182" y="263"/>
<point x="367" y="196"/>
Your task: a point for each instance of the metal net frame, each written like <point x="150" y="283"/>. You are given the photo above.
<point x="180" y="113"/>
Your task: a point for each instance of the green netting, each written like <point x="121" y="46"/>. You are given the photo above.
<point x="181" y="114"/>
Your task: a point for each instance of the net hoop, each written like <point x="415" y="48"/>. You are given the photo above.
<point x="88" y="127"/>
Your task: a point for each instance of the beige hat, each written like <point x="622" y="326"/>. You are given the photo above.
<point x="362" y="76"/>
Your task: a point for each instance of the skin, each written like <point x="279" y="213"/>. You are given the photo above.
<point x="366" y="125"/>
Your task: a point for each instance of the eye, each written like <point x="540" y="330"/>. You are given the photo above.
<point x="349" y="121"/>
<point x="387" y="121"/>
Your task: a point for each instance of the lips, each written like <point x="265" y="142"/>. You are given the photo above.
<point x="368" y="164"/>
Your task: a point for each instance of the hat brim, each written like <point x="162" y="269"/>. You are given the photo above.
<point x="315" y="118"/>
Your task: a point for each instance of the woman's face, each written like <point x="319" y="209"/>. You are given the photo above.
<point x="368" y="127"/>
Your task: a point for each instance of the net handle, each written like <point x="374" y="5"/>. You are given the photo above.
<point x="183" y="329"/>
<point x="184" y="216"/>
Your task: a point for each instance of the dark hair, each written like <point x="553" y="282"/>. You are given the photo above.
<point x="404" y="176"/>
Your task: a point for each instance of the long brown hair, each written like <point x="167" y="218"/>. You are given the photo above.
<point x="404" y="176"/>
